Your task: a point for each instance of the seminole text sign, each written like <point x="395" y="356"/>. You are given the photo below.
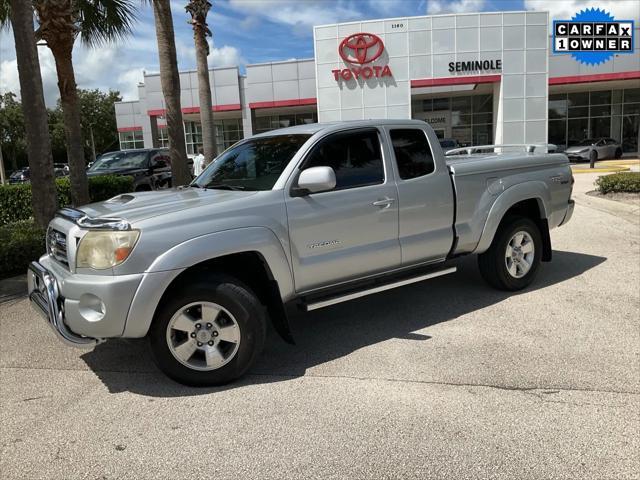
<point x="359" y="51"/>
<point x="593" y="36"/>
<point x="475" y="66"/>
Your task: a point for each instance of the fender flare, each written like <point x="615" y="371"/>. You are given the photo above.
<point x="533" y="190"/>
<point x="164" y="270"/>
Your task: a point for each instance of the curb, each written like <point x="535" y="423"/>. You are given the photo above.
<point x="611" y="169"/>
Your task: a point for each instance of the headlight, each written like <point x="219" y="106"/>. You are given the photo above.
<point x="105" y="249"/>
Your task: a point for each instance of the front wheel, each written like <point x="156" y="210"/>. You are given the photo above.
<point x="208" y="332"/>
<point x="512" y="260"/>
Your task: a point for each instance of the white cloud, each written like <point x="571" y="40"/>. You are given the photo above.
<point x="296" y="12"/>
<point x="386" y="6"/>
<point x="565" y="9"/>
<point x="436" y="7"/>
<point x="128" y="83"/>
<point x="115" y="67"/>
<point x="225" y="56"/>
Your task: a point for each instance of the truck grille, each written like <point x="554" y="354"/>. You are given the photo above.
<point x="57" y="246"/>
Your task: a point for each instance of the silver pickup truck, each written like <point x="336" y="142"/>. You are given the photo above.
<point x="294" y="219"/>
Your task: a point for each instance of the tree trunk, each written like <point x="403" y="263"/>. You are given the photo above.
<point x="170" y="81"/>
<point x="204" y="94"/>
<point x="43" y="189"/>
<point x="70" y="101"/>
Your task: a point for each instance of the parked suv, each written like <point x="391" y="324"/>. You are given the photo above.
<point x="150" y="168"/>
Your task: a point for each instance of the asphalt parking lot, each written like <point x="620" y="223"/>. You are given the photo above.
<point x="443" y="379"/>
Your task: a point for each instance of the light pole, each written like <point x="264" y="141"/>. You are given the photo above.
<point x="2" y="177"/>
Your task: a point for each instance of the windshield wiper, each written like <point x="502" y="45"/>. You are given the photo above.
<point x="223" y="186"/>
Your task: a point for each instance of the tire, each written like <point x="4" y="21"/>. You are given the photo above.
<point x="618" y="154"/>
<point x="494" y="265"/>
<point x="217" y="317"/>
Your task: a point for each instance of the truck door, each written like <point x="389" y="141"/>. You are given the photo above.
<point x="426" y="200"/>
<point x="352" y="230"/>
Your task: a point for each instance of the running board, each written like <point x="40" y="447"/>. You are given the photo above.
<point x="381" y="288"/>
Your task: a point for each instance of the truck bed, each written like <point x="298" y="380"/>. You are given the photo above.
<point x="480" y="178"/>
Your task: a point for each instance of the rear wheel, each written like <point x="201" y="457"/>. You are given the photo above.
<point x="208" y="332"/>
<point x="513" y="259"/>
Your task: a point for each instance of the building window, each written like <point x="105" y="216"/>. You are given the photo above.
<point x="272" y="122"/>
<point x="593" y="114"/>
<point x="131" y="140"/>
<point x="193" y="137"/>
<point x="228" y="132"/>
<point x="468" y="119"/>
<point x="163" y="137"/>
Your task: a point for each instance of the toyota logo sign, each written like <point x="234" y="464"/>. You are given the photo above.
<point x="361" y="48"/>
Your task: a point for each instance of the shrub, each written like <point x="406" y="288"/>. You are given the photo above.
<point x="619" y="182"/>
<point x="20" y="243"/>
<point x="15" y="200"/>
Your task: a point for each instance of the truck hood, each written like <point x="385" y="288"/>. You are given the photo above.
<point x="138" y="206"/>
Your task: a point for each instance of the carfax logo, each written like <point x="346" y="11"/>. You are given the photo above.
<point x="593" y="36"/>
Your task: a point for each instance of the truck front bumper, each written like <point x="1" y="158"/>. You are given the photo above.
<point x="82" y="310"/>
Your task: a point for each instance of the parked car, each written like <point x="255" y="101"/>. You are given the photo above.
<point x="61" y="169"/>
<point x="293" y="219"/>
<point x="448" y="143"/>
<point x="150" y="168"/>
<point x="20" y="176"/>
<point x="593" y="149"/>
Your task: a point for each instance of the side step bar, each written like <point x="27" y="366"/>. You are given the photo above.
<point x="363" y="293"/>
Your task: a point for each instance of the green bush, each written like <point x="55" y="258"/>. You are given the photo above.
<point x="15" y="200"/>
<point x="20" y="243"/>
<point x="619" y="182"/>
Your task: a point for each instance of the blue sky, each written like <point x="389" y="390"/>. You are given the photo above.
<point x="253" y="31"/>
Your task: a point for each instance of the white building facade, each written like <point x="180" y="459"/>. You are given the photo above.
<point x="476" y="78"/>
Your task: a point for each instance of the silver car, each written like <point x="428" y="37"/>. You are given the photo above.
<point x="593" y="149"/>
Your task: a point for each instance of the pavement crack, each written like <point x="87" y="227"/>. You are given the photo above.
<point x="547" y="389"/>
<point x="538" y="391"/>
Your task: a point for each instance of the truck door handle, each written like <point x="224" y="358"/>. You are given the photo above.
<point x="385" y="202"/>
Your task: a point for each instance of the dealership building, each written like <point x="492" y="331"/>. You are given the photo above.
<point x="486" y="78"/>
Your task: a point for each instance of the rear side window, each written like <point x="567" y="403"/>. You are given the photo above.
<point x="412" y="152"/>
<point x="354" y="156"/>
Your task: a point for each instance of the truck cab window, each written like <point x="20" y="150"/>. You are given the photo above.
<point x="354" y="156"/>
<point x="413" y="153"/>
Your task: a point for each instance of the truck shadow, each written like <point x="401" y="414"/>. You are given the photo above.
<point x="331" y="333"/>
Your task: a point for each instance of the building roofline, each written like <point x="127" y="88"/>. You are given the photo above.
<point x="295" y="60"/>
<point x="426" y="16"/>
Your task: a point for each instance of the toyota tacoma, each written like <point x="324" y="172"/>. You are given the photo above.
<point x="290" y="220"/>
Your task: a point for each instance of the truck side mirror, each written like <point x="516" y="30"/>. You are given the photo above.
<point x="316" y="179"/>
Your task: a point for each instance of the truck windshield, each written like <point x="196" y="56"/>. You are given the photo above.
<point x="121" y="160"/>
<point x="252" y="165"/>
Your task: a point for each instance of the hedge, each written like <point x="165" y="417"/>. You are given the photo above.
<point x="22" y="242"/>
<point x="619" y="182"/>
<point x="15" y="200"/>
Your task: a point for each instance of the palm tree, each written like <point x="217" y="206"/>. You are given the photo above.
<point x="96" y="22"/>
<point x="170" y="82"/>
<point x="198" y="10"/>
<point x="43" y="190"/>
